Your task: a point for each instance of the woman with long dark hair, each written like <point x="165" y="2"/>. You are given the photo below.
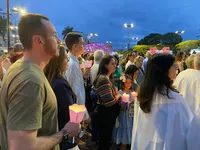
<point x="108" y="107"/>
<point x="161" y="117"/>
<point x="54" y="72"/>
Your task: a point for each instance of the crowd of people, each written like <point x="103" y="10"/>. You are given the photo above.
<point x="138" y="102"/>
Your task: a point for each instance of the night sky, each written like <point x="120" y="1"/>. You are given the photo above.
<point x="106" y="17"/>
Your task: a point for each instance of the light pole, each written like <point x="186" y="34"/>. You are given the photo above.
<point x="8" y="21"/>
<point x="128" y="26"/>
<point x="180" y="32"/>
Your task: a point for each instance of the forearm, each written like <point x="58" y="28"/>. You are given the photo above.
<point x="1" y="71"/>
<point x="47" y="143"/>
<point x="38" y="143"/>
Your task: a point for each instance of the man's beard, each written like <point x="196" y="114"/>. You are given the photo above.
<point x="49" y="49"/>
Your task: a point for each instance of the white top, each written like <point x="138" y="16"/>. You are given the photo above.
<point x="93" y="71"/>
<point x="75" y="78"/>
<point x="188" y="84"/>
<point x="193" y="138"/>
<point x="128" y="64"/>
<point x="165" y="127"/>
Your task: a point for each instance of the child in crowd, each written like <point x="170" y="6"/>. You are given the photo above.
<point x="124" y="123"/>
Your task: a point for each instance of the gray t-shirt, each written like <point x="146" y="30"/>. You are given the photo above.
<point x="27" y="102"/>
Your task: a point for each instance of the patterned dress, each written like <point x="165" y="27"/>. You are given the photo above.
<point x="124" y="123"/>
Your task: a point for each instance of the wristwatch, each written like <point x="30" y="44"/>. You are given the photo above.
<point x="65" y="135"/>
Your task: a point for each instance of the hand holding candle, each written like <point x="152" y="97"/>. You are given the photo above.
<point x="134" y="94"/>
<point x="125" y="98"/>
<point x="82" y="66"/>
<point x="77" y="113"/>
<point x="88" y="64"/>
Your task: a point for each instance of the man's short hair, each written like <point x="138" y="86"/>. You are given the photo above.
<point x="71" y="39"/>
<point x="98" y="55"/>
<point x="30" y="25"/>
<point x="18" y="47"/>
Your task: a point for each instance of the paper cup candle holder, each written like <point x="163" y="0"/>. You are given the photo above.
<point x="125" y="98"/>
<point x="77" y="113"/>
<point x="88" y="64"/>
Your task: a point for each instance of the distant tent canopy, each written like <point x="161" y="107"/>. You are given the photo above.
<point x="91" y="48"/>
<point x="194" y="51"/>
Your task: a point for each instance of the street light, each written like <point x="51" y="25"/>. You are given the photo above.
<point x="13" y="27"/>
<point x="108" y="42"/>
<point x="21" y="11"/>
<point x="93" y="34"/>
<point x="128" y="26"/>
<point x="135" y="38"/>
<point x="180" y="32"/>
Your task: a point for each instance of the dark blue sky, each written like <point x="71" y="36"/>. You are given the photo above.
<point x="106" y="17"/>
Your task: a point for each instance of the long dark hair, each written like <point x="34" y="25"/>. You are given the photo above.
<point x="102" y="69"/>
<point x="155" y="79"/>
<point x="131" y="70"/>
<point x="54" y="67"/>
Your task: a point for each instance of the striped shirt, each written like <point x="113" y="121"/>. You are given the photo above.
<point x="105" y="91"/>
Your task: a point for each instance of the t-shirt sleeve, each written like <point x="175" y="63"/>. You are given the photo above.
<point x="25" y="106"/>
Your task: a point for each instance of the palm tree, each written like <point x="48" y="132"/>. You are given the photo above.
<point x="66" y="31"/>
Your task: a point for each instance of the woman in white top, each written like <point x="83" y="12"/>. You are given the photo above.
<point x="161" y="118"/>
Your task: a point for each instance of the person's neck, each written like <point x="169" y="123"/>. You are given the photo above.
<point x="108" y="75"/>
<point x="126" y="90"/>
<point x="35" y="58"/>
<point x="75" y="54"/>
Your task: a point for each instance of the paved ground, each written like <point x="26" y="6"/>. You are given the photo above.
<point x="90" y="145"/>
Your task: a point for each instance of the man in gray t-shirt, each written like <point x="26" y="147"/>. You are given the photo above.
<point x="28" y="107"/>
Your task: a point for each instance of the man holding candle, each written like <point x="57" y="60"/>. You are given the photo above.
<point x="28" y="108"/>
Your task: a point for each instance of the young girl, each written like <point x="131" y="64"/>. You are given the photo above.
<point x="124" y="124"/>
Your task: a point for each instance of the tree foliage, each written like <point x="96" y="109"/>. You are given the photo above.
<point x="186" y="46"/>
<point x="151" y="39"/>
<point x="3" y="27"/>
<point x="171" y="38"/>
<point x="66" y="31"/>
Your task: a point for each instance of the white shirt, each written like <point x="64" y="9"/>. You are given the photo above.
<point x="165" y="127"/>
<point x="75" y="78"/>
<point x="188" y="84"/>
<point x="193" y="137"/>
<point x="128" y="64"/>
<point x="93" y="72"/>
